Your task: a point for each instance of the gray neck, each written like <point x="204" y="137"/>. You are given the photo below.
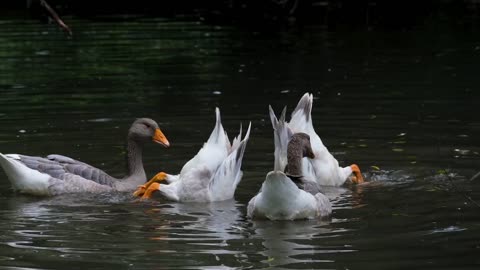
<point x="294" y="158"/>
<point x="136" y="173"/>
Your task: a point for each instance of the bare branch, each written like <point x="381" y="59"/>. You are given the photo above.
<point x="56" y="17"/>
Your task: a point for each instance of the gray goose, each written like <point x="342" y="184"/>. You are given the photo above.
<point x="57" y="174"/>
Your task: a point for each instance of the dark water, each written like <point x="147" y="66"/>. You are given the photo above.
<point x="403" y="105"/>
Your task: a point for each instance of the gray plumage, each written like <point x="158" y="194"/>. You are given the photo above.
<point x="57" y="174"/>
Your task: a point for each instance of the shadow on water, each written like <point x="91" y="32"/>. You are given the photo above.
<point x="400" y="104"/>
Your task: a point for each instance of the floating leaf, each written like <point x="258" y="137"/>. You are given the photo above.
<point x="397" y="150"/>
<point x="376" y="168"/>
<point x="442" y="172"/>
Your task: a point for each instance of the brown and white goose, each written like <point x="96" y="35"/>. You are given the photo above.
<point x="56" y="174"/>
<point x="280" y="197"/>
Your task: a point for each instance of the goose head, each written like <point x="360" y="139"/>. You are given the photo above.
<point x="146" y="129"/>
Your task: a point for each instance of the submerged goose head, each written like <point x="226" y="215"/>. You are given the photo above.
<point x="146" y="129"/>
<point x="298" y="148"/>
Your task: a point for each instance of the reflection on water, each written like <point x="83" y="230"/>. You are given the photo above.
<point x="406" y="114"/>
<point x="288" y="243"/>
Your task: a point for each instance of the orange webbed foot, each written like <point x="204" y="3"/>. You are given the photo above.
<point x="357" y="177"/>
<point x="143" y="188"/>
<point x="150" y="190"/>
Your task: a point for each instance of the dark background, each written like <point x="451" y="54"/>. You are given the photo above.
<point x="272" y="14"/>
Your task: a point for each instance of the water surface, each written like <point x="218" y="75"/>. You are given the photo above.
<point x="403" y="105"/>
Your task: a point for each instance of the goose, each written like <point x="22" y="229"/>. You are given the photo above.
<point x="324" y="168"/>
<point x="280" y="197"/>
<point x="211" y="175"/>
<point x="57" y="174"/>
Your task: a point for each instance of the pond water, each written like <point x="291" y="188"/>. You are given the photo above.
<point x="402" y="105"/>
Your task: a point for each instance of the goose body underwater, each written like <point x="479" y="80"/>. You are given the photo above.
<point x="211" y="175"/>
<point x="57" y="174"/>
<point x="282" y="196"/>
<point x="324" y="168"/>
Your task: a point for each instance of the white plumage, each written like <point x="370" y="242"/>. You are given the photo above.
<point x="324" y="168"/>
<point x="211" y="175"/>
<point x="281" y="199"/>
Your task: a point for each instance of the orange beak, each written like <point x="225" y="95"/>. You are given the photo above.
<point x="357" y="175"/>
<point x="158" y="137"/>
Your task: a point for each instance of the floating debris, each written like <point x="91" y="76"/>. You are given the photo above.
<point x="45" y="52"/>
<point x="462" y="152"/>
<point x="22" y="131"/>
<point x="217" y="92"/>
<point x="448" y="229"/>
<point x="100" y="120"/>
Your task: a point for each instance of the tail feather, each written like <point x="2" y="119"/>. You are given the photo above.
<point x="236" y="140"/>
<point x="282" y="135"/>
<point x="229" y="174"/>
<point x="218" y="134"/>
<point x="301" y="119"/>
<point x="23" y="178"/>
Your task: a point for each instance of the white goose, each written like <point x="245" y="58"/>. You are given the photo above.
<point x="324" y="168"/>
<point x="212" y="175"/>
<point x="280" y="198"/>
<point x="56" y="174"/>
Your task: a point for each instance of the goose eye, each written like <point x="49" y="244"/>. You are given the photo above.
<point x="147" y="125"/>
